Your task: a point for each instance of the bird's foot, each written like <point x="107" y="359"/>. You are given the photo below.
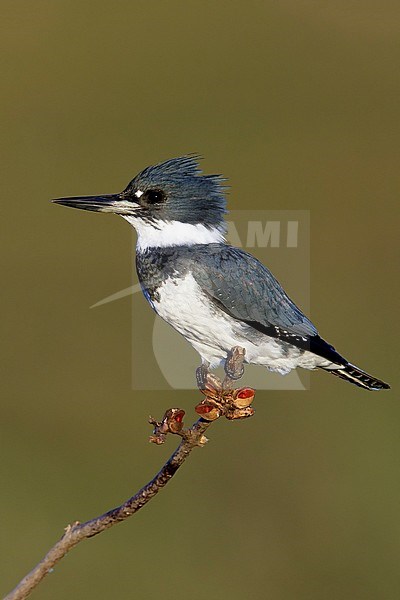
<point x="233" y="367"/>
<point x="205" y="378"/>
<point x="221" y="399"/>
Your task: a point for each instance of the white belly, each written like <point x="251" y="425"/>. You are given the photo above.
<point x="213" y="333"/>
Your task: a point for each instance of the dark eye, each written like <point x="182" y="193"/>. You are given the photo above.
<point x="154" y="197"/>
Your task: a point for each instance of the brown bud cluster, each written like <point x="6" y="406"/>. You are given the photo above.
<point x="232" y="404"/>
<point x="172" y="422"/>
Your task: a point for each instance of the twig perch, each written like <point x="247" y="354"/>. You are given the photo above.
<point x="220" y="400"/>
<point x="77" y="532"/>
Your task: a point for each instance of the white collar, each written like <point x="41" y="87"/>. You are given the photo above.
<point x="173" y="233"/>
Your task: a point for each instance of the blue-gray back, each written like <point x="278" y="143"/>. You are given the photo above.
<point x="232" y="278"/>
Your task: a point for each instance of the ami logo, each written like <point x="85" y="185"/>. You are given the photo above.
<point x="261" y="234"/>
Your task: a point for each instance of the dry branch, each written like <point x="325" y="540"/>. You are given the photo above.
<point x="220" y="400"/>
<point x="77" y="532"/>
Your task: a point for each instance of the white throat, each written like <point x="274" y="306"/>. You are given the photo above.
<point x="173" y="233"/>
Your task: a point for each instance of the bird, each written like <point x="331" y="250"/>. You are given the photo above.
<point x="216" y="295"/>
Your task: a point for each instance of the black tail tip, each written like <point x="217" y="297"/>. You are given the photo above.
<point x="358" y="377"/>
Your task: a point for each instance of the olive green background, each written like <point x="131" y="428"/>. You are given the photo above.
<point x="297" y="103"/>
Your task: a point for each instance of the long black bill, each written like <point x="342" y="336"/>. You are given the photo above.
<point x="106" y="203"/>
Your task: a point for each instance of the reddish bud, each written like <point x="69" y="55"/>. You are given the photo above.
<point x="246" y="393"/>
<point x="203" y="409"/>
<point x="244" y="397"/>
<point x="174" y="419"/>
<point x="208" y="411"/>
<point x="178" y="417"/>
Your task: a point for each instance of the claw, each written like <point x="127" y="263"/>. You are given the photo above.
<point x="234" y="368"/>
<point x="206" y="380"/>
<point x="201" y="377"/>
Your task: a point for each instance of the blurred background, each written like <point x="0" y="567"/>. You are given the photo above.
<point x="296" y="102"/>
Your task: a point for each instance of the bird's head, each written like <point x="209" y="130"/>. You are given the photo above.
<point x="170" y="203"/>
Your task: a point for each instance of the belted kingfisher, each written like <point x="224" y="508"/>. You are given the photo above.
<point x="217" y="296"/>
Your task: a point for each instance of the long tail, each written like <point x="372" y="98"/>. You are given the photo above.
<point x="355" y="375"/>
